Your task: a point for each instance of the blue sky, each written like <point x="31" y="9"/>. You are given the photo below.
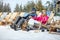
<point x="23" y="2"/>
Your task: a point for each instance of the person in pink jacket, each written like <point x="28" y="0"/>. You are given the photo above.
<point x="43" y="18"/>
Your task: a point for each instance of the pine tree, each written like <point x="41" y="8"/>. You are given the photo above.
<point x="6" y="8"/>
<point x="39" y="6"/>
<point x="48" y="2"/>
<point x="20" y="8"/>
<point x="17" y="8"/>
<point x="1" y="6"/>
<point x="25" y="9"/>
<point x="31" y="5"/>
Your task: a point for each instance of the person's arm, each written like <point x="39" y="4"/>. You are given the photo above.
<point x="37" y="18"/>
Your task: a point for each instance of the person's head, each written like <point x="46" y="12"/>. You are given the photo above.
<point x="33" y="10"/>
<point x="44" y="12"/>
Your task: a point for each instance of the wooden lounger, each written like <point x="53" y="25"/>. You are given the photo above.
<point x="49" y="21"/>
<point x="21" y="14"/>
<point x="54" y="26"/>
<point x="13" y="17"/>
<point x="0" y="13"/>
<point x="3" y="15"/>
<point x="4" y="21"/>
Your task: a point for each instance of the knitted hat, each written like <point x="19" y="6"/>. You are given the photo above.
<point x="33" y="9"/>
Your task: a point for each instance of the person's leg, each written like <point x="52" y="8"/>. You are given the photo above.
<point x="17" y="20"/>
<point x="37" y="24"/>
<point x="31" y="23"/>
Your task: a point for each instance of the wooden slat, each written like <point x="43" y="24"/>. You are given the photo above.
<point x="8" y="16"/>
<point x="0" y="13"/>
<point x="21" y="14"/>
<point x="13" y="16"/>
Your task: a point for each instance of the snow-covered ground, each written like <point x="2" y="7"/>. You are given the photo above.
<point x="6" y="33"/>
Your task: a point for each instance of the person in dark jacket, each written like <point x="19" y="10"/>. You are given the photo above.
<point x="32" y="14"/>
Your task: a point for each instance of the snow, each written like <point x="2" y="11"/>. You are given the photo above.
<point x="6" y="33"/>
